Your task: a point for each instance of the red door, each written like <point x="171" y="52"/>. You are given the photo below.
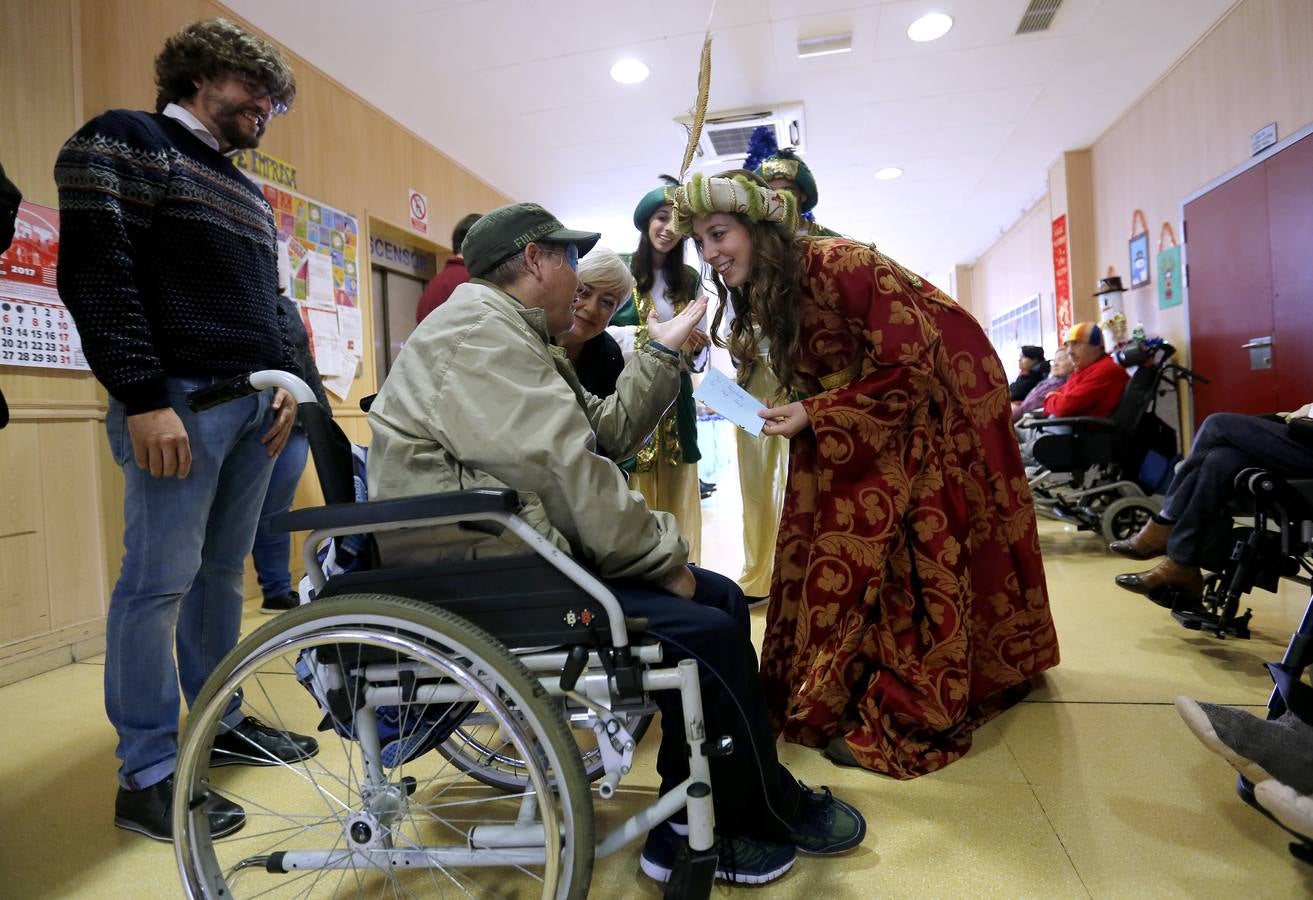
<point x="1230" y="284"/>
<point x="1290" y="213"/>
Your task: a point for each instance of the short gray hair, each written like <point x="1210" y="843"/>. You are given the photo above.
<point x="507" y="271"/>
<point x="604" y="271"/>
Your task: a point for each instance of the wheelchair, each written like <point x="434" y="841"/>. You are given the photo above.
<point x="1239" y="558"/>
<point x="1100" y="473"/>
<point x="462" y="708"/>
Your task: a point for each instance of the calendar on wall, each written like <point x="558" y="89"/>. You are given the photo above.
<point x="35" y="328"/>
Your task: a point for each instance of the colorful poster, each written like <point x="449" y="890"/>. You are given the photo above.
<point x="1061" y="276"/>
<point x="1169" y="278"/>
<point x="35" y="328"/>
<point x="322" y="248"/>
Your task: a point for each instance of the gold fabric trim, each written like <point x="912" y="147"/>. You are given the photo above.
<point x="663" y="445"/>
<point x="841" y="378"/>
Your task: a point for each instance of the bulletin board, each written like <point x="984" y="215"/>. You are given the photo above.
<point x="36" y="329"/>
<point x="319" y="249"/>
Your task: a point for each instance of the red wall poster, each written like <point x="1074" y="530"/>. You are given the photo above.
<point x="1061" y="277"/>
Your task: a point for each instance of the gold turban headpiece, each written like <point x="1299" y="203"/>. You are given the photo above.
<point x="703" y="195"/>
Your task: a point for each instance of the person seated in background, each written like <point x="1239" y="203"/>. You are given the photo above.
<point x="1226" y="444"/>
<point x="1034" y="369"/>
<point x="604" y="283"/>
<point x="1057" y="377"/>
<point x="1096" y="385"/>
<point x="453" y="272"/>
<point x="480" y="397"/>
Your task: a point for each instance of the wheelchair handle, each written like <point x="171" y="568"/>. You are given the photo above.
<point x="247" y="384"/>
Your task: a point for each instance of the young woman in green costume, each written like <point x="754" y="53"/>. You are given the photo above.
<point x="666" y="471"/>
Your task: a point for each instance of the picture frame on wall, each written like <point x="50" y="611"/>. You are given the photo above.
<point x="1140" y="259"/>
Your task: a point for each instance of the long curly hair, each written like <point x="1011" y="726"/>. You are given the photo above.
<point x="767" y="304"/>
<point x="213" y="47"/>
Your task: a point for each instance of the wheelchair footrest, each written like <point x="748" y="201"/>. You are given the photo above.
<point x="693" y="874"/>
<point x="1221" y="626"/>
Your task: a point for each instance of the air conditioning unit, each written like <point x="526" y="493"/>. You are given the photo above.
<point x="725" y="134"/>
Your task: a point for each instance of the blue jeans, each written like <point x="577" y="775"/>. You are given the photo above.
<point x="185" y="545"/>
<point x="273" y="549"/>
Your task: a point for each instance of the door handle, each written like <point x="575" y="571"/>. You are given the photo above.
<point x="1256" y="343"/>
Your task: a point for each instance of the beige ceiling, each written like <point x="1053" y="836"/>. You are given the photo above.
<point x="519" y="92"/>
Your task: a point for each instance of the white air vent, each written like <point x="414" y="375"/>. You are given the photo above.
<point x="1038" y="16"/>
<point x="725" y="135"/>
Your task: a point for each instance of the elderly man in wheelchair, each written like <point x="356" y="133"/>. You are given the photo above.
<point x="1239" y="466"/>
<point x="518" y="611"/>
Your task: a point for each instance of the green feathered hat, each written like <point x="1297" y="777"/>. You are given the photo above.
<point x="786" y="164"/>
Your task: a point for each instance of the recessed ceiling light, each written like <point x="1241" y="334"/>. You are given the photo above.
<point x="889" y="173"/>
<point x="629" y="71"/>
<point x="824" y="46"/>
<point x="930" y="27"/>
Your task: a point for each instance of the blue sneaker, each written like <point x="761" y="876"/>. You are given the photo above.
<point x="741" y="860"/>
<point x="826" y="825"/>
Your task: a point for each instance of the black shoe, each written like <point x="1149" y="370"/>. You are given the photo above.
<point x="150" y="812"/>
<point x="705" y="489"/>
<point x="253" y="744"/>
<point x="274" y="605"/>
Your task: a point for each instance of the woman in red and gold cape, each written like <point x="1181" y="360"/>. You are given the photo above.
<point x="908" y="605"/>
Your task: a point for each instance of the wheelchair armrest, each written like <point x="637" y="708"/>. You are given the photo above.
<point x="400" y="509"/>
<point x="1041" y="424"/>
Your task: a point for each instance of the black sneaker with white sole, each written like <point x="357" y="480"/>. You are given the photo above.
<point x="740" y="860"/>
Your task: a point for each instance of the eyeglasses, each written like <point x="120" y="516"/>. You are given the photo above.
<point x="570" y="253"/>
<point x="259" y="91"/>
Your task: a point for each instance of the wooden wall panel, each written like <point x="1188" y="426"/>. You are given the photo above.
<point x="75" y="550"/>
<point x="63" y="61"/>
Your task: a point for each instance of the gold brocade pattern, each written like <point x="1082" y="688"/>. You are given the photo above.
<point x="908" y="604"/>
<point x="664" y="445"/>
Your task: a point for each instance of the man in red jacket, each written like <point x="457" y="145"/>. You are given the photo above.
<point x="453" y="272"/>
<point x="1097" y="385"/>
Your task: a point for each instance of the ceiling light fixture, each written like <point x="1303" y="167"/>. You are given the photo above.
<point x="930" y="27"/>
<point x="889" y="173"/>
<point x="629" y="71"/>
<point x="824" y="46"/>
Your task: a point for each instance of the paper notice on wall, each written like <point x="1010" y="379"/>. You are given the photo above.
<point x="339" y="385"/>
<point x="319" y="281"/>
<point x="350" y="330"/>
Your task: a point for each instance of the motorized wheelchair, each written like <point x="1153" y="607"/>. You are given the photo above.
<point x="499" y="663"/>
<point x="1101" y="473"/>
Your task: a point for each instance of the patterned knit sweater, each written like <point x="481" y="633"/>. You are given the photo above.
<point x="167" y="258"/>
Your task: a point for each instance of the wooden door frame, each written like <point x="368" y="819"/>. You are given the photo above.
<point x="1258" y="159"/>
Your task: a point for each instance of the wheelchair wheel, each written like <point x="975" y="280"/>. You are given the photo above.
<point x="479" y="748"/>
<point x="362" y="817"/>
<point x="1125" y="516"/>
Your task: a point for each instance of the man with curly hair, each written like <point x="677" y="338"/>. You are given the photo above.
<point x="168" y="266"/>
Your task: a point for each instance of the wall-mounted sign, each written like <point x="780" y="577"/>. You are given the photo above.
<point x="1061" y="276"/>
<point x="1263" y="138"/>
<point x="419" y="212"/>
<point x="266" y="168"/>
<point x="410" y="260"/>
<point x="35" y="328"/>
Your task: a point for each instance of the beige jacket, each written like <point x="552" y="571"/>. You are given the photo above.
<point x="480" y="398"/>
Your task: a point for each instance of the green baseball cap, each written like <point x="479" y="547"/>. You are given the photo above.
<point x="507" y="230"/>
